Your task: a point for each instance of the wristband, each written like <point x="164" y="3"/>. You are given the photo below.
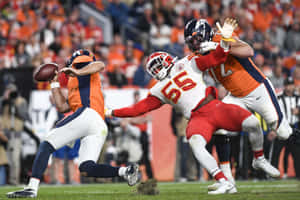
<point x="54" y="85"/>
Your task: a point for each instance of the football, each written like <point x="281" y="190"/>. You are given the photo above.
<point x="45" y="72"/>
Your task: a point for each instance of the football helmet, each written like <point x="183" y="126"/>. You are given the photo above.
<point x="159" y="64"/>
<point x="196" y="32"/>
<point x="81" y="56"/>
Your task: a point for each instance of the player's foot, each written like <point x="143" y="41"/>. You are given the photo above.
<point x="25" y="193"/>
<point x="216" y="185"/>
<point x="223" y="188"/>
<point x="263" y="164"/>
<point x="132" y="174"/>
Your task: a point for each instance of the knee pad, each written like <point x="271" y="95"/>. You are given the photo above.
<point x="284" y="130"/>
<point x="197" y="141"/>
<point x="251" y="124"/>
<point x="86" y="167"/>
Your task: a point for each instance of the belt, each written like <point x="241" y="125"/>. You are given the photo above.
<point x="205" y="101"/>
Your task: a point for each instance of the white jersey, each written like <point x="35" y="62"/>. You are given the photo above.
<point x="184" y="87"/>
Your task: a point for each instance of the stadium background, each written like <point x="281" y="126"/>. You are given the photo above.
<point x="122" y="33"/>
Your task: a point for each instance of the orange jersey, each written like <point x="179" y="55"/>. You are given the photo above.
<point x="85" y="91"/>
<point x="239" y="76"/>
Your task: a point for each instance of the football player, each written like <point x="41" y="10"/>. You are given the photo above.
<point x="85" y="99"/>
<point x="248" y="87"/>
<point x="181" y="85"/>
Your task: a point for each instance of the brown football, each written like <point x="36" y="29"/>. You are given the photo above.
<point x="45" y="72"/>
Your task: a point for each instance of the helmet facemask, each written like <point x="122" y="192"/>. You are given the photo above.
<point x="159" y="66"/>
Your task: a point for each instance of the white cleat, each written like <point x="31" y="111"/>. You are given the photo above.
<point x="263" y="164"/>
<point x="224" y="187"/>
<point x="25" y="193"/>
<point x="216" y="185"/>
<point x="132" y="174"/>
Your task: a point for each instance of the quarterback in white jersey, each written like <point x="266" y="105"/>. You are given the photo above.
<point x="181" y="85"/>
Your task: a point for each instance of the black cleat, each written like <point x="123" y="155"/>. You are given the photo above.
<point x="25" y="193"/>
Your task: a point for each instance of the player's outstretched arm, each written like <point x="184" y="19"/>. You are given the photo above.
<point x="241" y="49"/>
<point x="212" y="59"/>
<point x="146" y="105"/>
<point x="59" y="99"/>
<point x="91" y="68"/>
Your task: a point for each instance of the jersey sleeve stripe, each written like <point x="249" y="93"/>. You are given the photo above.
<point x="251" y="69"/>
<point x="84" y="89"/>
<point x="274" y="101"/>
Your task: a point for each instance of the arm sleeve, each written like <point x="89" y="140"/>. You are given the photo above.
<point x="214" y="58"/>
<point x="143" y="106"/>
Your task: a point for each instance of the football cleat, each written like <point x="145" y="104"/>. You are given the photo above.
<point x="132" y="174"/>
<point x="25" y="193"/>
<point x="216" y="185"/>
<point x="224" y="187"/>
<point x="263" y="164"/>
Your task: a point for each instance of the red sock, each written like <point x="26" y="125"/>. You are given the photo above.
<point x="258" y="153"/>
<point x="219" y="176"/>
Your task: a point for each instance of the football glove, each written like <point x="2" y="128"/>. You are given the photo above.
<point x="108" y="112"/>
<point x="227" y="29"/>
<point x="208" y="46"/>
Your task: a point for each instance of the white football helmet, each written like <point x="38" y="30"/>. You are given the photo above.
<point x="159" y="64"/>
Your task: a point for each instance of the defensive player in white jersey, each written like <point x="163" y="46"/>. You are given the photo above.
<point x="181" y="85"/>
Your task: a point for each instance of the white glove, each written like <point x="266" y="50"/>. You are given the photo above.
<point x="208" y="46"/>
<point x="108" y="112"/>
<point x="228" y="28"/>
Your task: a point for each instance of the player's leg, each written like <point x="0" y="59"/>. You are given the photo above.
<point x="263" y="100"/>
<point x="89" y="151"/>
<point x="241" y="119"/>
<point x="199" y="132"/>
<point x="223" y="145"/>
<point x="197" y="143"/>
<point x="67" y="130"/>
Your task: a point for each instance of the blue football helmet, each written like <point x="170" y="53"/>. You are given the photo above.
<point x="196" y="32"/>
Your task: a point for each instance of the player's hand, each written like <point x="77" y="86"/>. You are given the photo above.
<point x="108" y="112"/>
<point x="70" y="71"/>
<point x="227" y="29"/>
<point x="55" y="78"/>
<point x="208" y="46"/>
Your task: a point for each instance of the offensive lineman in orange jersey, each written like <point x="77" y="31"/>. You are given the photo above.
<point x="85" y="99"/>
<point x="247" y="86"/>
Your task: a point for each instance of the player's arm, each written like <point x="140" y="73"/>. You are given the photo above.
<point x="146" y="105"/>
<point x="91" y="68"/>
<point x="59" y="99"/>
<point x="212" y="59"/>
<point x="241" y="49"/>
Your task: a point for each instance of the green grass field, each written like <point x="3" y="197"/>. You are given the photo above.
<point x="265" y="190"/>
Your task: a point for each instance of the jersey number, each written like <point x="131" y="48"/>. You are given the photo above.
<point x="183" y="85"/>
<point x="223" y="72"/>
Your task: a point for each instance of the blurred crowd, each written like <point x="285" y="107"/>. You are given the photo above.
<point x="35" y="32"/>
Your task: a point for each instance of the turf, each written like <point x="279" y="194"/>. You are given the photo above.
<point x="265" y="190"/>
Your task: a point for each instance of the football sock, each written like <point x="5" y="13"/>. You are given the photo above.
<point x="33" y="183"/>
<point x="259" y="153"/>
<point x="256" y="137"/>
<point x="122" y="171"/>
<point x="223" y="148"/>
<point x="225" y="167"/>
<point x="41" y="159"/>
<point x="197" y="143"/>
<point x="91" y="169"/>
<point x="218" y="175"/>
